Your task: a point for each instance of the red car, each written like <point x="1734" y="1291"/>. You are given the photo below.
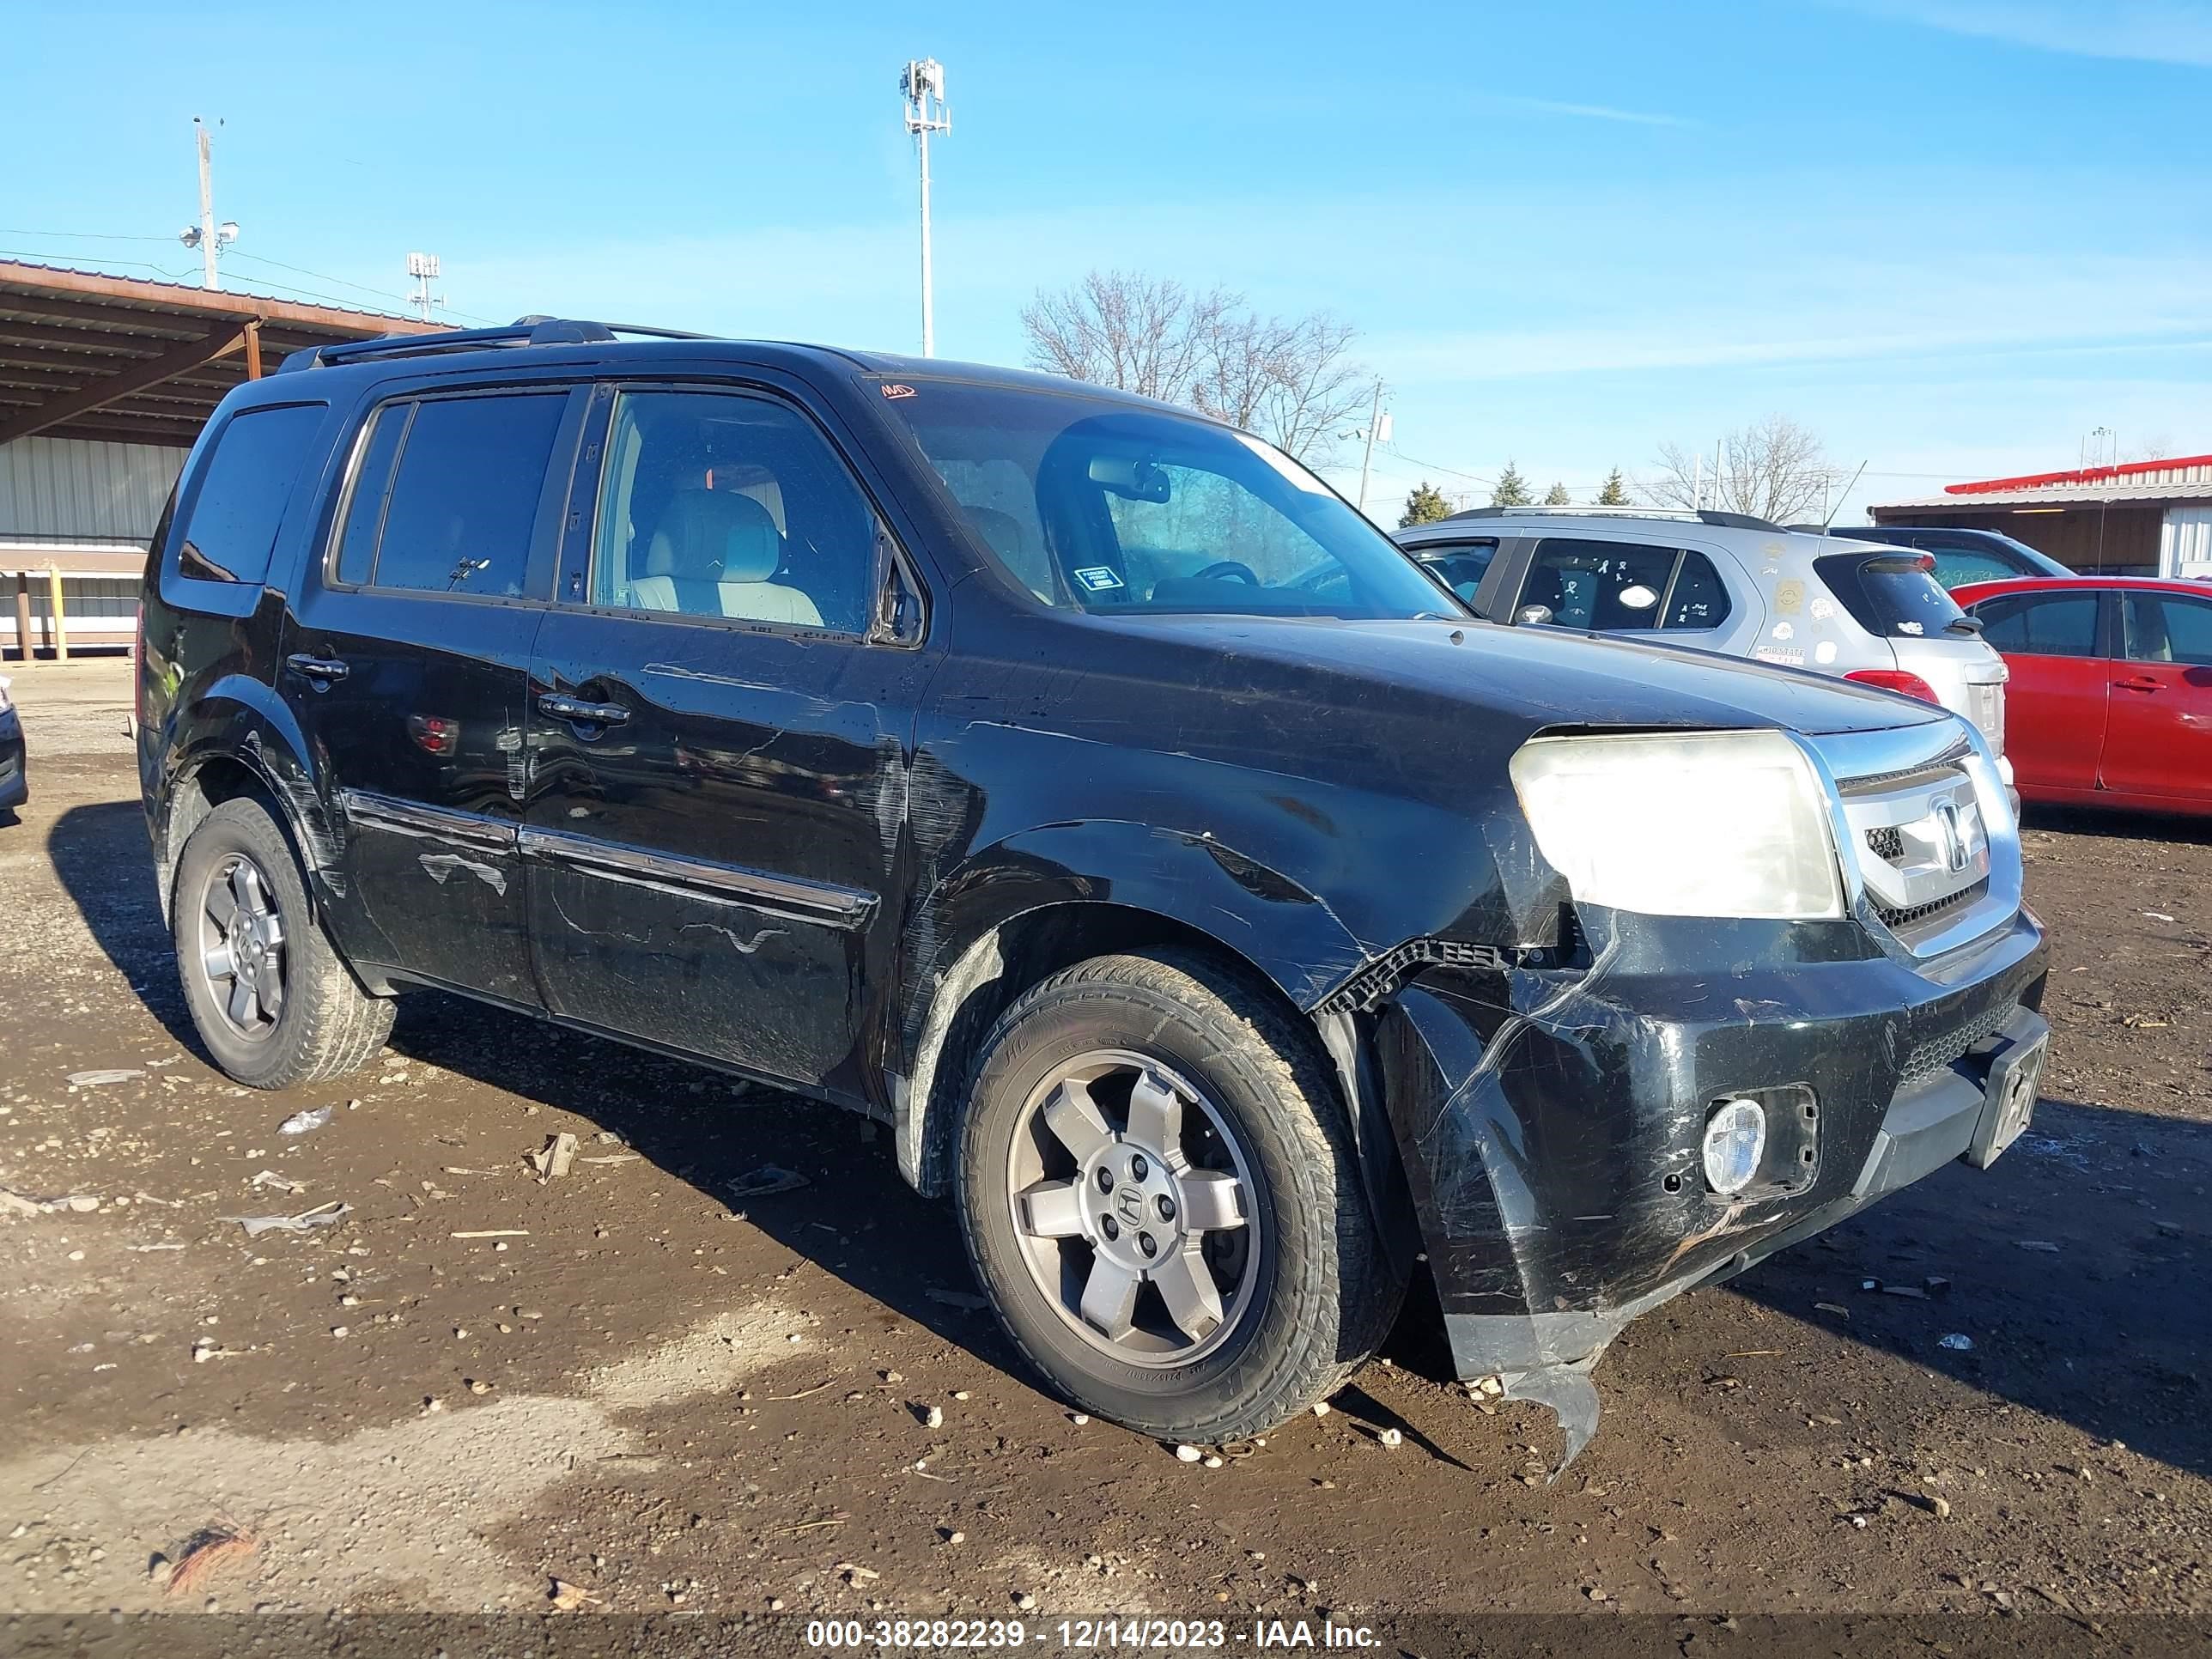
<point x="2111" y="698"/>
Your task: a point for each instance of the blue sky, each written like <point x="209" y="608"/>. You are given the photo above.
<point x="1951" y="236"/>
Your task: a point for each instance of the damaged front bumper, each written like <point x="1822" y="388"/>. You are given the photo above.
<point x="1550" y="1124"/>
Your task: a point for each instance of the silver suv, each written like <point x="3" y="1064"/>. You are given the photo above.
<point x="1725" y="582"/>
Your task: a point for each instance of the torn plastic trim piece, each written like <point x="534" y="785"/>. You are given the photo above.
<point x="1367" y="988"/>
<point x="1548" y="1359"/>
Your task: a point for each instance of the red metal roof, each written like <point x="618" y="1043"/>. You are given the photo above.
<point x="2082" y="475"/>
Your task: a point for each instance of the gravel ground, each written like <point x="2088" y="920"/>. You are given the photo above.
<point x="681" y="1401"/>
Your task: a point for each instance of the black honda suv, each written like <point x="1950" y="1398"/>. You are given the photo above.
<point x="1225" y="917"/>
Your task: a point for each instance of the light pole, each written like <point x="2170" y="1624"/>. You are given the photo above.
<point x="1378" y="426"/>
<point x="922" y="84"/>
<point x="208" y="237"/>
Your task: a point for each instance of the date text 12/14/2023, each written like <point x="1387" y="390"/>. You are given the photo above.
<point x="1088" y="1635"/>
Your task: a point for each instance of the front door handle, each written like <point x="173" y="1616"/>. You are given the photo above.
<point x="321" y="671"/>
<point x="2138" y="683"/>
<point x="579" y="712"/>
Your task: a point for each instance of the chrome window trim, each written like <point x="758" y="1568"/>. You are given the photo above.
<point x="791" y="895"/>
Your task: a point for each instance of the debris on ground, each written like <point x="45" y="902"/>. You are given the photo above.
<point x="931" y="1417"/>
<point x="301" y="1123"/>
<point x="1188" y="1454"/>
<point x="494" y="1232"/>
<point x="323" y="1215"/>
<point x="15" y="1203"/>
<point x="2042" y="1244"/>
<point x="1391" y="1437"/>
<point x="765" y="1181"/>
<point x="207" y="1553"/>
<point x="570" y="1598"/>
<point x="552" y="1161"/>
<point x="960" y="1299"/>
<point x="93" y="1080"/>
<point x="1957" y="1343"/>
<point x="270" y="1178"/>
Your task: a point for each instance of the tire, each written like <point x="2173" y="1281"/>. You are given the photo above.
<point x="1303" y="1287"/>
<point x="323" y="1025"/>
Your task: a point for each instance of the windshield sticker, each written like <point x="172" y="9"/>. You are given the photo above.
<point x="1097" y="578"/>
<point x="893" y="389"/>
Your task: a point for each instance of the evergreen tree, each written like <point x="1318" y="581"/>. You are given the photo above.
<point x="1615" y="492"/>
<point x="1512" y="489"/>
<point x="1557" y="496"/>
<point x="1425" y="504"/>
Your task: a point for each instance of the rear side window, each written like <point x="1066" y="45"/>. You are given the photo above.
<point x="1955" y="568"/>
<point x="2040" y="624"/>
<point x="240" y="499"/>
<point x="465" y="478"/>
<point x="1624" y="586"/>
<point x="1893" y="595"/>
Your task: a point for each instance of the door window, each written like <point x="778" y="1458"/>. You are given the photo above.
<point x="1623" y="586"/>
<point x="2040" y="624"/>
<point x="241" y="499"/>
<point x="2169" y="629"/>
<point x="716" y="504"/>
<point x="464" y="494"/>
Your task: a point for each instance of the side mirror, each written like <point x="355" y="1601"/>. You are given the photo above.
<point x="1533" y="615"/>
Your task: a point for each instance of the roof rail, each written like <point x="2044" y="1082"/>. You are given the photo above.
<point x="524" y="330"/>
<point x="1702" y="515"/>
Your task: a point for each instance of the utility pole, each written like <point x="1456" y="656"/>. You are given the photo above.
<point x="922" y="84"/>
<point x="1375" y="419"/>
<point x="1698" y="484"/>
<point x="208" y="237"/>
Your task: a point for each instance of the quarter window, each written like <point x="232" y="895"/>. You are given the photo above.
<point x="2040" y="624"/>
<point x="716" y="504"/>
<point x="241" y="499"/>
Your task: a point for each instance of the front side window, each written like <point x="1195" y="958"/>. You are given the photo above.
<point x="2167" y="628"/>
<point x="1097" y="506"/>
<point x="239" y="503"/>
<point x="718" y="504"/>
<point x="1624" y="586"/>
<point x="2040" y="624"/>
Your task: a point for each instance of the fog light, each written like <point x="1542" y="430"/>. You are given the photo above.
<point x="1736" y="1136"/>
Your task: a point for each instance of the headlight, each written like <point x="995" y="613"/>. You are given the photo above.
<point x="1710" y="823"/>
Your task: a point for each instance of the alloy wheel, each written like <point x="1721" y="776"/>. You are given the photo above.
<point x="241" y="947"/>
<point x="1134" y="1204"/>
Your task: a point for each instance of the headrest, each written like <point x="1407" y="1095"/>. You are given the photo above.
<point x="713" y="536"/>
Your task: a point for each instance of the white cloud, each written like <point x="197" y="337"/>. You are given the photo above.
<point x="2152" y="31"/>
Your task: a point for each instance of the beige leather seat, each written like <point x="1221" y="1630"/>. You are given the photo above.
<point x="712" y="555"/>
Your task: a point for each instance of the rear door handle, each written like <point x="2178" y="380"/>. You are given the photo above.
<point x="322" y="670"/>
<point x="2138" y="683"/>
<point x="574" y="709"/>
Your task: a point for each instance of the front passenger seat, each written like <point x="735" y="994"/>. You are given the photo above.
<point x="712" y="555"/>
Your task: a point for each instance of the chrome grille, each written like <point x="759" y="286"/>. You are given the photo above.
<point x="1925" y="831"/>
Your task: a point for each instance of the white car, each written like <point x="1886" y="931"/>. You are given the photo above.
<point x="1725" y="582"/>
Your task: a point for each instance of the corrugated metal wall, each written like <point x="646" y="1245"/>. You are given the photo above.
<point x="2185" y="545"/>
<point x="74" y="490"/>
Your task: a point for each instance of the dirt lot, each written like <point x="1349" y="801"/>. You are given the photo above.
<point x="683" y="1402"/>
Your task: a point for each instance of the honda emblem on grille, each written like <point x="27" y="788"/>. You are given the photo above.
<point x="1955" y="835"/>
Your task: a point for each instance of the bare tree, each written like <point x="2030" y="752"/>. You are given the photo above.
<point x="1291" y="380"/>
<point x="1772" y="468"/>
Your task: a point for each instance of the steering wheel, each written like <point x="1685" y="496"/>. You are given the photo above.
<point x="1228" y="568"/>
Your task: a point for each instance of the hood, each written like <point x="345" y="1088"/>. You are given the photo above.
<point x="1524" y="679"/>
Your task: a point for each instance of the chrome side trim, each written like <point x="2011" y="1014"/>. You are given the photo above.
<point x="367" y="809"/>
<point x="808" y="900"/>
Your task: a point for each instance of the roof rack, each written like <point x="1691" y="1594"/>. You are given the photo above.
<point x="1702" y="515"/>
<point x="535" y="331"/>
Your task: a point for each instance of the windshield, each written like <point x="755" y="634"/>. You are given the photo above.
<point x="1094" y="506"/>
